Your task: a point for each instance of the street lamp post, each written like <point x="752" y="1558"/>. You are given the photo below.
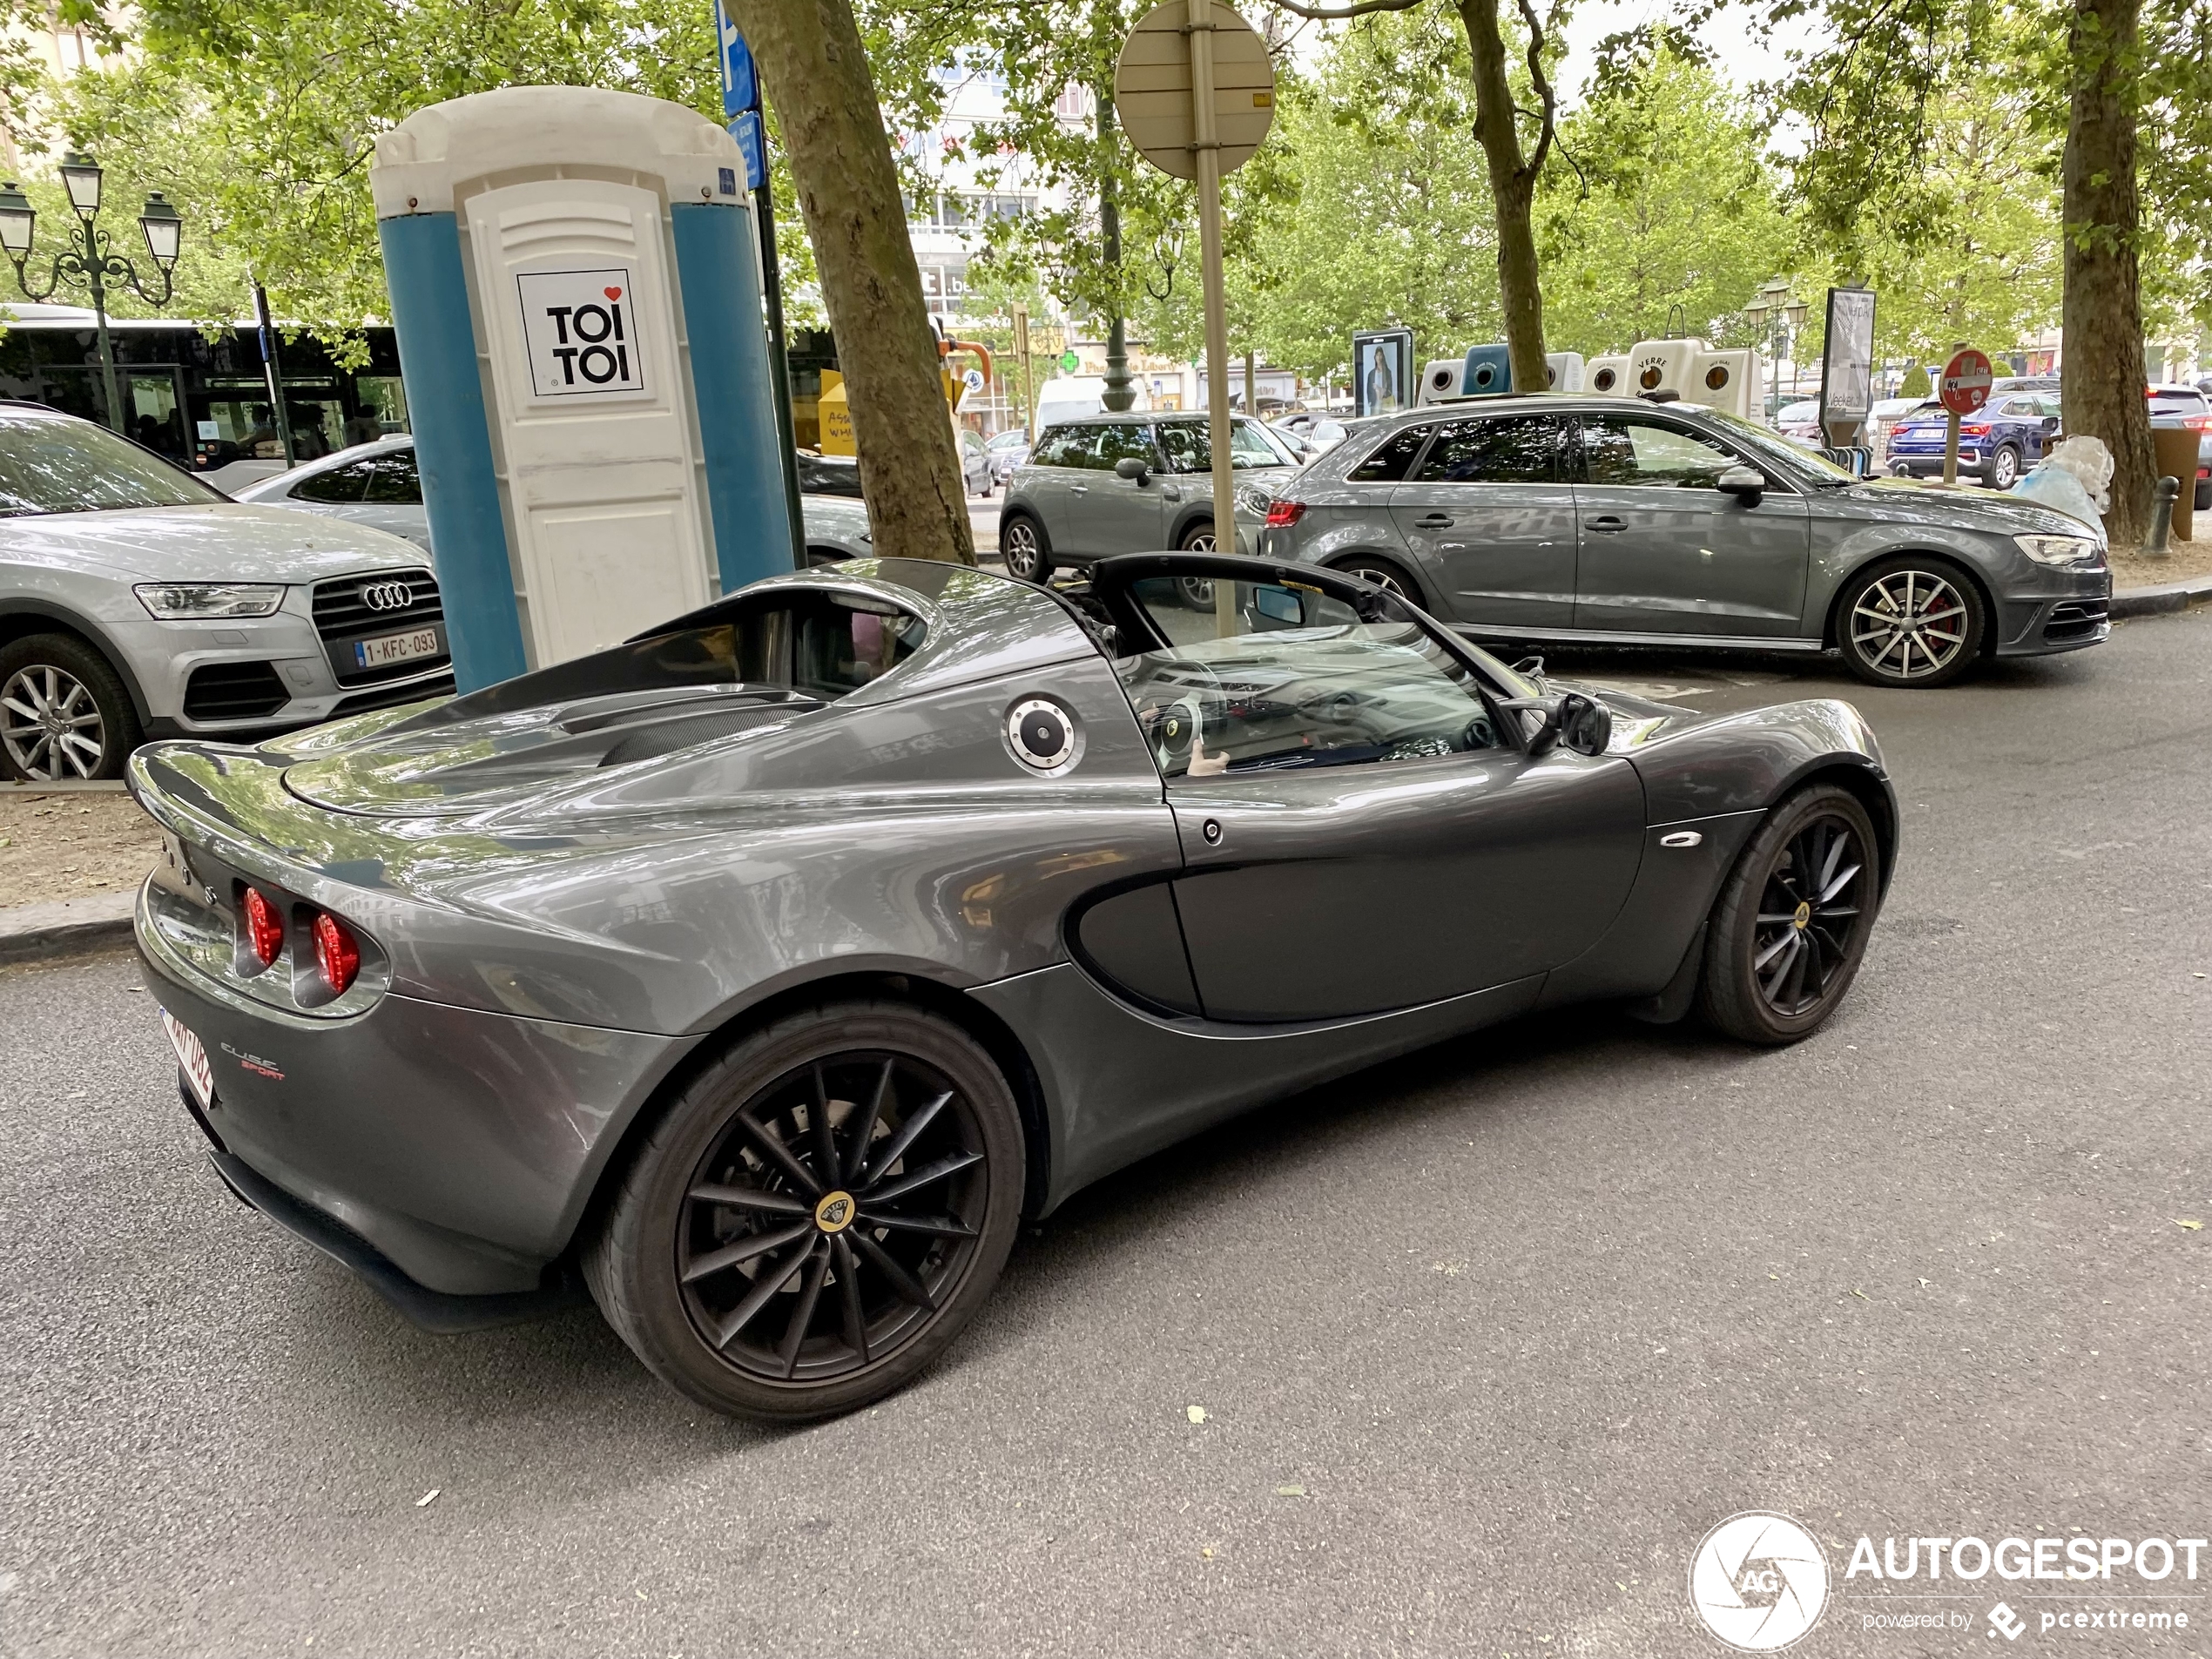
<point x="86" y="259"/>
<point x="1776" y="315"/>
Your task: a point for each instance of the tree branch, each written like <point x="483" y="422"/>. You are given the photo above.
<point x="1324" y="14"/>
<point x="1543" y="85"/>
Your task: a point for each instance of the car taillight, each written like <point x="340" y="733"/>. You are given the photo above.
<point x="263" y="927"/>
<point x="1282" y="513"/>
<point x="1979" y="429"/>
<point x="337" y="955"/>
<point x="2199" y="422"/>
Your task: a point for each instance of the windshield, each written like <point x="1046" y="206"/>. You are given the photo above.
<point x="1803" y="462"/>
<point x="53" y="464"/>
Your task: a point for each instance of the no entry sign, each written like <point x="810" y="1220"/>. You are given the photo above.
<point x="1966" y="381"/>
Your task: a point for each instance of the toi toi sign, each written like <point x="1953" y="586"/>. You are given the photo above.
<point x="579" y="329"/>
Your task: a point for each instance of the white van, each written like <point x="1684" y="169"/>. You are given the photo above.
<point x="1080" y="394"/>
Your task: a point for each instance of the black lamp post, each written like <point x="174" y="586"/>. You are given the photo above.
<point x="86" y="259"/>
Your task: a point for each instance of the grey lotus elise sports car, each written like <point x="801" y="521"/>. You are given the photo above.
<point x="762" y="974"/>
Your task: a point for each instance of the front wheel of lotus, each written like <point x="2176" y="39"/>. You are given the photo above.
<point x="1910" y="622"/>
<point x="1789" y="930"/>
<point x="816" y="1215"/>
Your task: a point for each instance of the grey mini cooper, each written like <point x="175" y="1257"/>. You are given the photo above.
<point x="1133" y="483"/>
<point x="1611" y="522"/>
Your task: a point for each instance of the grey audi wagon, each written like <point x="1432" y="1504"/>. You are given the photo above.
<point x="1608" y="521"/>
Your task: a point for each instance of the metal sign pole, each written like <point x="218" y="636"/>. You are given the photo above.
<point x="1029" y="383"/>
<point x="1205" y="151"/>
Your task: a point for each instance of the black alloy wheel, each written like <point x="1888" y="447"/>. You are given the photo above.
<point x="1790" y="929"/>
<point x="818" y="1216"/>
<point x="1910" y="622"/>
<point x="1022" y="546"/>
<point x="64" y="713"/>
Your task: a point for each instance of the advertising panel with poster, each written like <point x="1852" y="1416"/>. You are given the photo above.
<point x="1847" y="364"/>
<point x="1382" y="372"/>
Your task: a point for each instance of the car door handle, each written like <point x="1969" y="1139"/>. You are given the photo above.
<point x="1433" y="522"/>
<point x="1079" y="489"/>
<point x="1607" y="525"/>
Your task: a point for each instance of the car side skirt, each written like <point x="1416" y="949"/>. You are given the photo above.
<point x="1120" y="1084"/>
<point x="1598" y="637"/>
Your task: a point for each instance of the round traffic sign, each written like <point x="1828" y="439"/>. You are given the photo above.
<point x="1966" y="381"/>
<point x="1069" y="362"/>
<point x="1152" y="89"/>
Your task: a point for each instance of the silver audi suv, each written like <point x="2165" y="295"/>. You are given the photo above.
<point x="1610" y="520"/>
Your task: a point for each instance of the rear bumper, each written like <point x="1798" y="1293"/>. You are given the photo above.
<point x="458" y="1146"/>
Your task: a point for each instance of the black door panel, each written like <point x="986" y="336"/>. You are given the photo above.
<point x="1335" y="891"/>
<point x="1133" y="942"/>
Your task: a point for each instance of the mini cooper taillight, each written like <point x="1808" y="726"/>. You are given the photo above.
<point x="264" y="923"/>
<point x="337" y="954"/>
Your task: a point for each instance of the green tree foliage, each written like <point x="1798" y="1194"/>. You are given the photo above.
<point x="1669" y="202"/>
<point x="260" y="118"/>
<point x="1374" y="209"/>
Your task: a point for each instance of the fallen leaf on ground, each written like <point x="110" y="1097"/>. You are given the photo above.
<point x="1860" y="1294"/>
<point x="1205" y="1552"/>
<point x="1290" y="1492"/>
<point x="423" y="1502"/>
<point x="2193" y="1227"/>
<point x="1196" y="1413"/>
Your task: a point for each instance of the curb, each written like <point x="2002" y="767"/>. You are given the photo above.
<point x="65" y="928"/>
<point x="2165" y="597"/>
<point x="65" y="787"/>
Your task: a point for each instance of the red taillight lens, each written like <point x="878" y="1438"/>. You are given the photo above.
<point x="1979" y="429"/>
<point x="2199" y="423"/>
<point x="1281" y="514"/>
<point x="263" y="927"/>
<point x="336" y="952"/>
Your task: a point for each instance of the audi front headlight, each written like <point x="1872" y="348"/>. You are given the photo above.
<point x="198" y="601"/>
<point x="2059" y="550"/>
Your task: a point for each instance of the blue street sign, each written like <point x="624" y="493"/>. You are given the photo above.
<point x="752" y="145"/>
<point x="740" y="84"/>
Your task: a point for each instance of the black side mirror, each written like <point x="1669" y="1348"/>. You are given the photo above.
<point x="1130" y="468"/>
<point x="1581" y="723"/>
<point x="2050" y="423"/>
<point x="1746" y="484"/>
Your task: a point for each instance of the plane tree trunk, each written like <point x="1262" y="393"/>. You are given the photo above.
<point x="815" y="72"/>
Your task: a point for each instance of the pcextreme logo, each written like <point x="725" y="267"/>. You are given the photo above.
<point x="1759" y="1582"/>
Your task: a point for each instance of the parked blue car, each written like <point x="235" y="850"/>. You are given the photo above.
<point x="1997" y="444"/>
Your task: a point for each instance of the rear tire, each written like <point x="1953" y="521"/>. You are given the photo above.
<point x="64" y="714"/>
<point x="1789" y="931"/>
<point x="2004" y="470"/>
<point x="1023" y="546"/>
<point x="2204" y="496"/>
<point x="1197" y="592"/>
<point x="817" y="1308"/>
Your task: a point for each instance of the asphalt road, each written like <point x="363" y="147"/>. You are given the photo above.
<point x="1485" y="1340"/>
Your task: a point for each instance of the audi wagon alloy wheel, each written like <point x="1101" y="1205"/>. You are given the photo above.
<point x="1789" y="928"/>
<point x="1907" y="622"/>
<point x="2005" y="468"/>
<point x="1022" y="546"/>
<point x="1383" y="574"/>
<point x="819" y="1215"/>
<point x="63" y="714"/>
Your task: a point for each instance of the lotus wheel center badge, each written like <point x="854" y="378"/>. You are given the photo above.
<point x="1804" y="916"/>
<point x="834" y="1213"/>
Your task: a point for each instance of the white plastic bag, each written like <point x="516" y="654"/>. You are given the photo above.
<point x="2056" y="488"/>
<point x="2089" y="461"/>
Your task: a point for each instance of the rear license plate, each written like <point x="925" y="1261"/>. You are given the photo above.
<point x="394" y="648"/>
<point x="192" y="1055"/>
